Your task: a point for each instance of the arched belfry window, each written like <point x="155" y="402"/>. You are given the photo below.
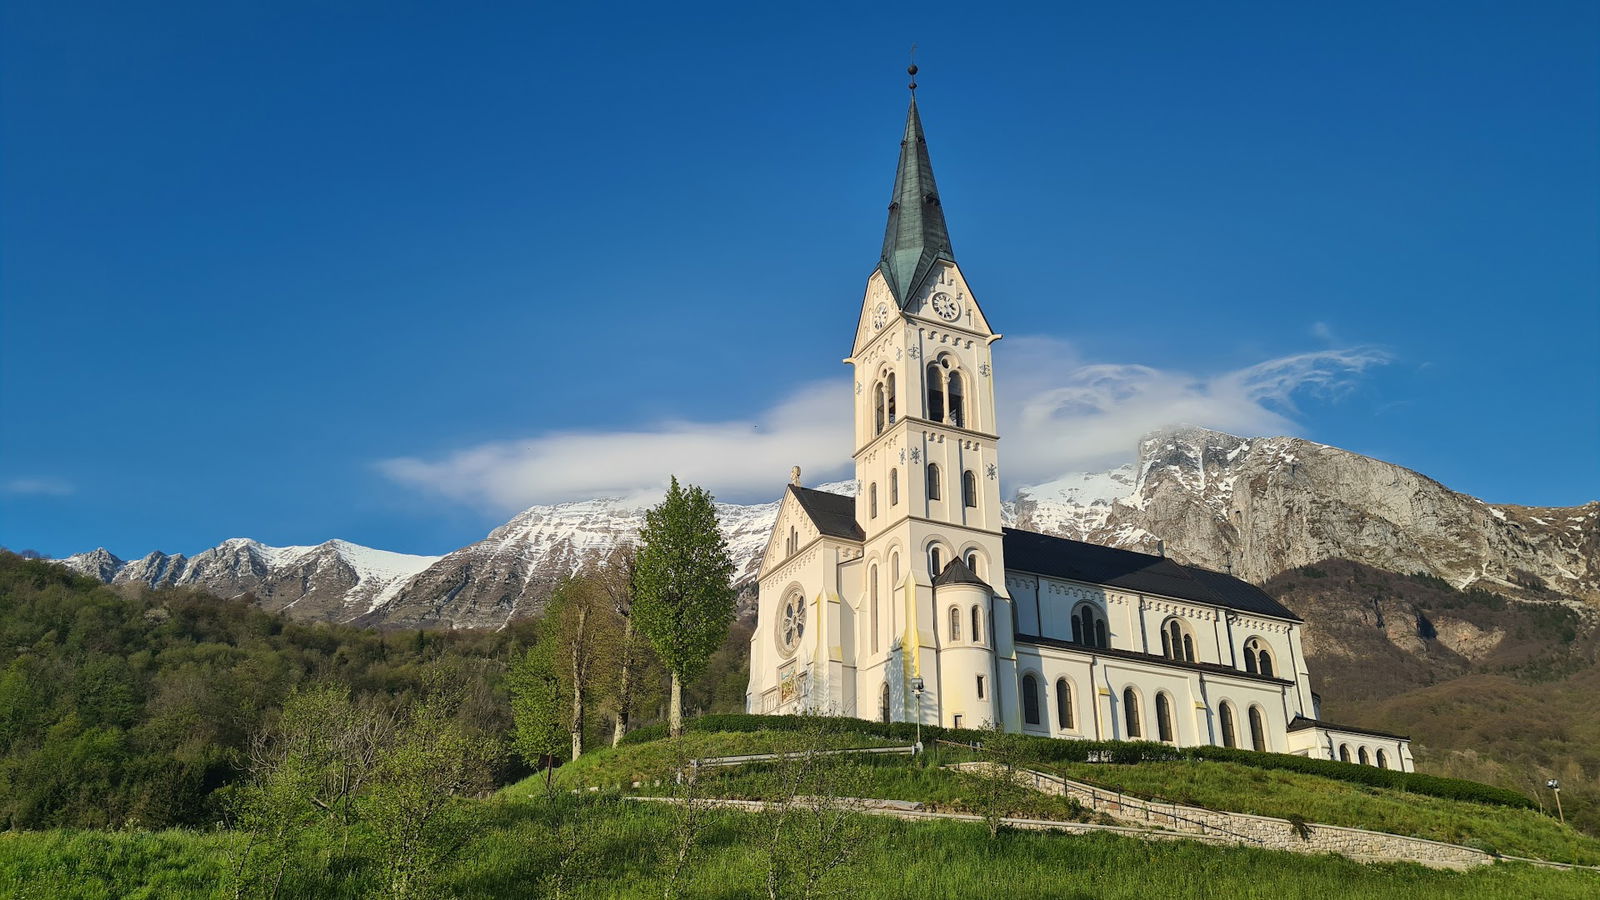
<point x="1257" y="659"/>
<point x="877" y="408"/>
<point x="1258" y="730"/>
<point x="969" y="489"/>
<point x="888" y="394"/>
<point x="1176" y="641"/>
<point x="935" y="376"/>
<point x="1030" y="700"/>
<point x="1089" y="626"/>
<point x="957" y="400"/>
<point x="934" y="562"/>
<point x="1230" y="733"/>
<point x="894" y="487"/>
<point x="933" y="481"/>
<point x="1064" y="718"/>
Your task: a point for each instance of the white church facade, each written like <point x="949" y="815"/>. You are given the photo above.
<point x="914" y="582"/>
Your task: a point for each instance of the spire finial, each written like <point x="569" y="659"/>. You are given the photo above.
<point x="912" y="70"/>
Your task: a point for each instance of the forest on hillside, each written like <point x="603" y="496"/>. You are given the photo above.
<point x="131" y="706"/>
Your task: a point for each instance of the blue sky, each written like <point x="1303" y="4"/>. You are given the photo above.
<point x="389" y="271"/>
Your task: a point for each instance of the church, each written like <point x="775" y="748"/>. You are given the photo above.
<point x="912" y="601"/>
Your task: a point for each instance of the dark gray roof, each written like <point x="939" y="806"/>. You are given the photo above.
<point x="833" y="514"/>
<point x="1042" y="554"/>
<point x="1150" y="658"/>
<point x="958" y="572"/>
<point x="1300" y="723"/>
<point x="916" y="235"/>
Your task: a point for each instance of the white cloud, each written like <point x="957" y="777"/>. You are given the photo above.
<point x="37" y="487"/>
<point x="1059" y="414"/>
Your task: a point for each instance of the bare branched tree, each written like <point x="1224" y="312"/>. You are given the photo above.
<point x="816" y="824"/>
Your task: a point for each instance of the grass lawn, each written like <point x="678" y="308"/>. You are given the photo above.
<point x="606" y="848"/>
<point x="1269" y="792"/>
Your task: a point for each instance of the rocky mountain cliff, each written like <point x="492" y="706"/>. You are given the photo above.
<point x="1256" y="507"/>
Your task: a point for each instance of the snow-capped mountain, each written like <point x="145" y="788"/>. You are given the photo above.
<point x="335" y="580"/>
<point x="1255" y="507"/>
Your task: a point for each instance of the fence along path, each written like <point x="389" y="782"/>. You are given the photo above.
<point x="1142" y="818"/>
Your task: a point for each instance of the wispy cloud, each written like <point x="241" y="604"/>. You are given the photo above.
<point x="37" y="487"/>
<point x="1059" y="414"/>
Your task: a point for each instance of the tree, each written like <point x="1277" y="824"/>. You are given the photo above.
<point x="536" y="709"/>
<point x="579" y="620"/>
<point x="683" y="601"/>
<point x="615" y="575"/>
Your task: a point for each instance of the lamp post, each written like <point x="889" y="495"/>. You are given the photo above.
<point x="1555" y="788"/>
<point x="916" y="689"/>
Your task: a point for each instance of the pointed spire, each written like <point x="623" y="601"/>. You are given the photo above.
<point x="916" y="235"/>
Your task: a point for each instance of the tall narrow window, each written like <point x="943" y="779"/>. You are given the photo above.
<point x="894" y="568"/>
<point x="1163" y="717"/>
<point x="955" y="624"/>
<point x="1250" y="656"/>
<point x="1344" y="752"/>
<point x="1383" y="761"/>
<point x="872" y="498"/>
<point x="1188" y="648"/>
<point x="1176" y="642"/>
<point x="977" y="625"/>
<point x="1088" y="627"/>
<point x="1063" y="704"/>
<point x="980" y="687"/>
<point x="933" y="562"/>
<point x="894" y="487"/>
<point x="1030" y="700"/>
<point x="958" y="407"/>
<point x="883" y="703"/>
<point x="1230" y="737"/>
<point x="1258" y="730"/>
<point x="972" y="563"/>
<point x="935" y="393"/>
<point x="1363" y="756"/>
<point x="877" y="408"/>
<point x="873" y="591"/>
<point x="969" y="489"/>
<point x="933" y="481"/>
<point x="888" y="392"/>
<point x="1130" y="710"/>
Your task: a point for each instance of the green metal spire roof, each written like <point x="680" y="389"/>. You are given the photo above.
<point x="916" y="236"/>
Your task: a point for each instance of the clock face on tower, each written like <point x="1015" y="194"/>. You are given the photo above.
<point x="880" y="316"/>
<point x="948" y="307"/>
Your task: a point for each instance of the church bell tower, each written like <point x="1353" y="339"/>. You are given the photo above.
<point x="927" y="468"/>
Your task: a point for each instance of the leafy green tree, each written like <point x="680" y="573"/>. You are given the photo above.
<point x="540" y="730"/>
<point x="683" y="601"/>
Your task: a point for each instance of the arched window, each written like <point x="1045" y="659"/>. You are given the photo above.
<point x="1130" y="710"/>
<point x="955" y="624"/>
<point x="969" y="489"/>
<point x="1258" y="730"/>
<point x="877" y="408"/>
<point x="1361" y="754"/>
<point x="933" y="562"/>
<point x="1063" y="704"/>
<point x="1176" y="641"/>
<point x="872" y="576"/>
<point x="1383" y="761"/>
<point x="1230" y="735"/>
<point x="794" y="542"/>
<point x="935" y="393"/>
<point x="888" y="393"/>
<point x="1344" y="752"/>
<point x="894" y="487"/>
<point x="1088" y="626"/>
<point x="957" y="401"/>
<point x="1164" y="717"/>
<point x="883" y="703"/>
<point x="872" y="498"/>
<point x="1030" y="700"/>
<point x="1256" y="658"/>
<point x="972" y="562"/>
<point x="894" y="568"/>
<point x="933" y="482"/>
<point x="977" y="625"/>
